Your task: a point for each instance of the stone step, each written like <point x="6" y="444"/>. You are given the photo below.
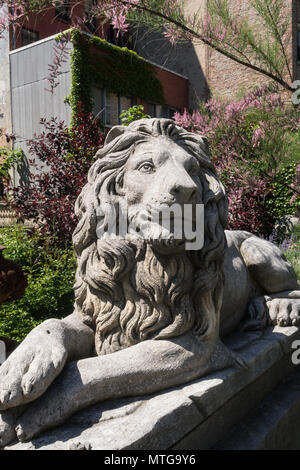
<point x="273" y="425"/>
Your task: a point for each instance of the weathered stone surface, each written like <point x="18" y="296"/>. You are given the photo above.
<point x="273" y="425"/>
<point x="268" y="358"/>
<point x="193" y="416"/>
<point x="143" y="423"/>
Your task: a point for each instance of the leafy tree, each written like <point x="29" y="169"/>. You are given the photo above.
<point x="263" y="46"/>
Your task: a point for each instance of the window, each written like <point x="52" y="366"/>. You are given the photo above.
<point x="91" y="22"/>
<point x="151" y="109"/>
<point x="167" y="112"/>
<point x="28" y="36"/>
<point x="62" y="11"/>
<point x="106" y="106"/>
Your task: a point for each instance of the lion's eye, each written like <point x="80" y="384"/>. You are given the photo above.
<point x="146" y="167"/>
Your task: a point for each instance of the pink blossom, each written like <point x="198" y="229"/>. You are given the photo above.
<point x="172" y="33"/>
<point x="212" y="32"/>
<point x="258" y="135"/>
<point x="116" y="11"/>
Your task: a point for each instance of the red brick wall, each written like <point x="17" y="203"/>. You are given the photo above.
<point x="176" y="88"/>
<point x="47" y="24"/>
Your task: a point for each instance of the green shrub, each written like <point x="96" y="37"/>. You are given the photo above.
<point x="133" y="114"/>
<point x="254" y="144"/>
<point x="279" y="204"/>
<point x="50" y="271"/>
<point x="293" y="252"/>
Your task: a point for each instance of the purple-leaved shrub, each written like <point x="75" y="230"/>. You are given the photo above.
<point x="251" y="140"/>
<point x="49" y="198"/>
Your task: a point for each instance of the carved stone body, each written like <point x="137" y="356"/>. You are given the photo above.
<point x="148" y="313"/>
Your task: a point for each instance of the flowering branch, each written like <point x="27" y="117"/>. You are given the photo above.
<point x="61" y="51"/>
<point x="220" y="24"/>
<point x="261" y="47"/>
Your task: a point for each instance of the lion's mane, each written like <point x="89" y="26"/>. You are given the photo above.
<point x="125" y="289"/>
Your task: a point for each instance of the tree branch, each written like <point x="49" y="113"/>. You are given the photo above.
<point x="278" y="37"/>
<point x="186" y="29"/>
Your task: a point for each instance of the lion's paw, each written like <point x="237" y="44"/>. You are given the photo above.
<point x="284" y="312"/>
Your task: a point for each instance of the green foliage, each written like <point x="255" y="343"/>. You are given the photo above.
<point x="264" y="43"/>
<point x="254" y="144"/>
<point x="279" y="204"/>
<point x="11" y="157"/>
<point x="275" y="158"/>
<point x="293" y="253"/>
<point x="95" y="62"/>
<point x="133" y="114"/>
<point x="50" y="271"/>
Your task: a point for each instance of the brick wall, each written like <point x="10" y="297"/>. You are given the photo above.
<point x="176" y="88"/>
<point x="47" y="23"/>
<point x="227" y="78"/>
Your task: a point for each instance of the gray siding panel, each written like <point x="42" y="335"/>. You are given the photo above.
<point x="31" y="64"/>
<point x="30" y="100"/>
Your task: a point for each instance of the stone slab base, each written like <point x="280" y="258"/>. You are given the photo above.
<point x="273" y="425"/>
<point x="195" y="416"/>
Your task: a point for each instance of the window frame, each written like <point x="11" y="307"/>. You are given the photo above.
<point x="90" y="23"/>
<point x="298" y="43"/>
<point x="154" y="109"/>
<point x="62" y="11"/>
<point x="167" y="112"/>
<point x="106" y="106"/>
<point x="31" y="31"/>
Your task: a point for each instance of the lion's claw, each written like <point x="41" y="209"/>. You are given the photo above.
<point x="284" y="312"/>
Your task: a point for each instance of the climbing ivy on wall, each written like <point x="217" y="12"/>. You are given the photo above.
<point x="95" y="62"/>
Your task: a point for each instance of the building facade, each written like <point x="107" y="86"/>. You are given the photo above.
<point x="209" y="72"/>
<point x="27" y="51"/>
<point x="189" y="73"/>
<point x="30" y="99"/>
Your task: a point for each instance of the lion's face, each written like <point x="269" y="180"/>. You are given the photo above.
<point x="130" y="289"/>
<point x="158" y="175"/>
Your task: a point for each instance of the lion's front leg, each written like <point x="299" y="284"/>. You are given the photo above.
<point x="145" y="368"/>
<point x="276" y="278"/>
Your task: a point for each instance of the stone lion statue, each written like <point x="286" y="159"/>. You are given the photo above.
<point x="149" y="314"/>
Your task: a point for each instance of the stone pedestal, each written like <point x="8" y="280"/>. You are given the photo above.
<point x="233" y="408"/>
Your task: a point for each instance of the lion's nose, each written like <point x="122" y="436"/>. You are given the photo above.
<point x="185" y="192"/>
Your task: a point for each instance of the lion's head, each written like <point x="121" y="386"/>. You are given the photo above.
<point x="133" y="288"/>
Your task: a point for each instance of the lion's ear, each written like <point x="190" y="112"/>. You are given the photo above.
<point x="206" y="144"/>
<point x="115" y="131"/>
